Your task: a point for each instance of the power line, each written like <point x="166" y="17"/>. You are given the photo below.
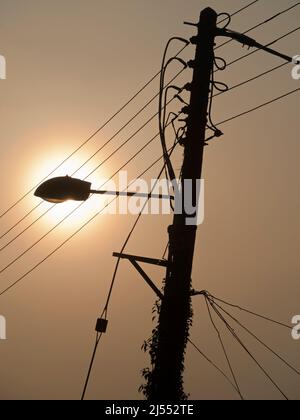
<point x="240" y="58"/>
<point x="105" y="310"/>
<point x="240" y="10"/>
<point x="258" y="107"/>
<point x="236" y="337"/>
<point x="76" y="208"/>
<point x="251" y="312"/>
<point x="36" y="220"/>
<point x="261" y="23"/>
<point x="98" y="338"/>
<point x="162" y="109"/>
<point x="212" y="321"/>
<point x="224" y="350"/>
<point x="212" y="364"/>
<point x="212" y="299"/>
<point x="74" y="233"/>
<point x="91" y="157"/>
<point x="258" y="339"/>
<point x="40" y="216"/>
<point x="251" y="79"/>
<point x="88" y="139"/>
<point x="231" y="88"/>
<point x="220" y="93"/>
<point x="87" y="176"/>
<point x="222" y="122"/>
<point x="106" y="123"/>
<point x="19" y="221"/>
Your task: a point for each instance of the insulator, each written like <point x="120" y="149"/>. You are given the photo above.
<point x="218" y="133"/>
<point x="195" y="40"/>
<point x="186" y="110"/>
<point x="101" y="325"/>
<point x="191" y="64"/>
<point x="188" y="87"/>
<point x="182" y="141"/>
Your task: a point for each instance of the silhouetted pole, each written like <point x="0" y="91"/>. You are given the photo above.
<point x="174" y="320"/>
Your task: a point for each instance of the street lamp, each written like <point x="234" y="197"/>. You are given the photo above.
<point x="64" y="188"/>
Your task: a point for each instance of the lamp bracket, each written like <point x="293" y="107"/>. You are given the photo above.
<point x="134" y="258"/>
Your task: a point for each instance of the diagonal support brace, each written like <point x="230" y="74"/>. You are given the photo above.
<point x="133" y="259"/>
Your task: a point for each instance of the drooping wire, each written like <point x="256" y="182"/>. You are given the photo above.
<point x="282" y="359"/>
<point x="178" y="135"/>
<point x="227" y="19"/>
<point x="178" y="139"/>
<point x="162" y="108"/>
<point x="213" y="364"/>
<point x="250" y="312"/>
<point x="215" y="85"/>
<point x="214" y="300"/>
<point x="237" y="338"/>
<point x="224" y="350"/>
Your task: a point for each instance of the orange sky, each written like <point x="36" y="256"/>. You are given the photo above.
<point x="70" y="65"/>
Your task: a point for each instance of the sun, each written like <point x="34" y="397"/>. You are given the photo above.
<point x="69" y="214"/>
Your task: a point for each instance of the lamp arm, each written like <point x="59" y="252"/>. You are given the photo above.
<point x="133" y="194"/>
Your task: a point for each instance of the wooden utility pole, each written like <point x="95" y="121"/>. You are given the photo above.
<point x="166" y="382"/>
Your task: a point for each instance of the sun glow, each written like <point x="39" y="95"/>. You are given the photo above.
<point x="74" y="213"/>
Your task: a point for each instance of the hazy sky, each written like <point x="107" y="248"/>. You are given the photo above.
<point x="70" y="65"/>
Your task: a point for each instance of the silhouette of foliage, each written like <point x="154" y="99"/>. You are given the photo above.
<point x="151" y="346"/>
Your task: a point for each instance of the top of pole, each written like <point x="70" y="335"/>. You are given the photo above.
<point x="205" y="14"/>
<point x="208" y="13"/>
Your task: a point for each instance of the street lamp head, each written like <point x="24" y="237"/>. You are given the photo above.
<point x="63" y="188"/>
